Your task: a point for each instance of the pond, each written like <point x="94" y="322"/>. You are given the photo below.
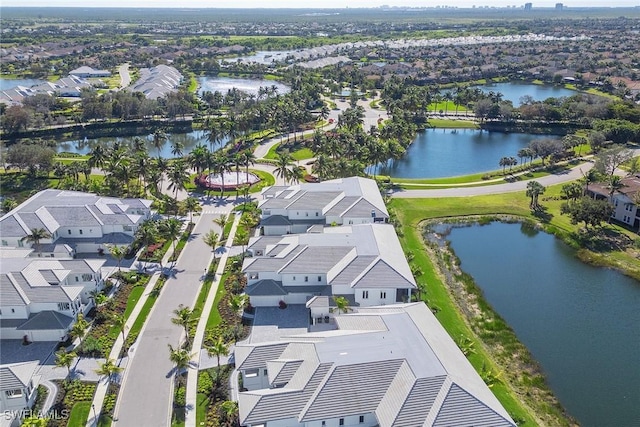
<point x="439" y="153"/>
<point x="514" y="91"/>
<point x="581" y="323"/>
<point x="189" y="140"/>
<point x="9" y="83"/>
<point x="224" y="84"/>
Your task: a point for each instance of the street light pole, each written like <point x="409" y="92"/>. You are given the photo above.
<point x="95" y="417"/>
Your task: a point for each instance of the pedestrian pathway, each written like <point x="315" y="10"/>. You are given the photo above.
<point x="103" y="385"/>
<point x="192" y="374"/>
<point x="146" y="392"/>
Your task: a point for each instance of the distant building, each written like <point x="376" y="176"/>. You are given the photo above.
<point x="88" y="72"/>
<point x="158" y="81"/>
<point x="559" y="6"/>
<point x="528" y="6"/>
<point x="625" y="206"/>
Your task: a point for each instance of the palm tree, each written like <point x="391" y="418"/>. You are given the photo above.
<point x="342" y="304"/>
<point x="614" y="184"/>
<point x="211" y="239"/>
<point x="177" y="148"/>
<point x="237" y="302"/>
<point x="159" y="138"/>
<point x="242" y="237"/>
<point x="229" y="412"/>
<point x="65" y="359"/>
<point x="192" y="205"/>
<point x="185" y="318"/>
<point x="219" y="166"/>
<point x="217" y="349"/>
<point x="119" y="321"/>
<point x="221" y="221"/>
<point x="8" y="204"/>
<point x="181" y="358"/>
<point x="37" y="234"/>
<point x="283" y="161"/>
<point x="534" y="189"/>
<point x="171" y="228"/>
<point x="98" y="156"/>
<point x="79" y="327"/>
<point x="118" y="252"/>
<point x="178" y="177"/>
<point x="108" y="369"/>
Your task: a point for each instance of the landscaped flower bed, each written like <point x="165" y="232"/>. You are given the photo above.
<point x="70" y="393"/>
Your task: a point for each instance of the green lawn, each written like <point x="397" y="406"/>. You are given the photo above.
<point x="202" y="404"/>
<point x="513" y="392"/>
<point x="453" y="124"/>
<point x="302" y="153"/>
<point x="79" y="414"/>
<point x="445" y="106"/>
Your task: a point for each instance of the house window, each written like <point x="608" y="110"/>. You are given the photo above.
<point x="86" y="277"/>
<point x="20" y="243"/>
<point x="13" y="310"/>
<point x="265" y="373"/>
<point x="306" y="278"/>
<point x="324" y="423"/>
<point x="365" y="294"/>
<point x="316" y="213"/>
<point x="341" y="421"/>
<point x="383" y="295"/>
<point x="14" y="393"/>
<point x="63" y="306"/>
<point x="319" y="278"/>
<point x="361" y="420"/>
<point x="253" y="276"/>
<point x="5" y="243"/>
<point x="81" y="231"/>
<point x="77" y="280"/>
<point x="69" y="231"/>
<point x="306" y="214"/>
<point x="251" y="373"/>
<point x="294" y="278"/>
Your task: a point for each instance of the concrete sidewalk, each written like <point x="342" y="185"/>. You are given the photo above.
<point x="192" y="374"/>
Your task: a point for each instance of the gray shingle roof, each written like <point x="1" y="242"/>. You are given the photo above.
<point x="265" y="287"/>
<point x="316" y="259"/>
<point x="381" y="275"/>
<point x="281" y="371"/>
<point x="275" y="220"/>
<point x="17" y="375"/>
<point x="460" y="407"/>
<point x="353" y="270"/>
<point x="258" y="356"/>
<point x="316" y="200"/>
<point x="46" y="320"/>
<point x="10" y="294"/>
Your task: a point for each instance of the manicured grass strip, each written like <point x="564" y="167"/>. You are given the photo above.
<point x="302" y="154"/>
<point x="202" y="404"/>
<point x="79" y="414"/>
<point x="453" y="124"/>
<point x="134" y="297"/>
<point x="214" y="316"/>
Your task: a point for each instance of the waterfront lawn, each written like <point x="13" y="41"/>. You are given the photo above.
<point x="297" y="150"/>
<point x="452" y="123"/>
<point x="412" y="212"/>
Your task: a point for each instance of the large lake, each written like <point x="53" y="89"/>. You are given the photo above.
<point x="581" y="323"/>
<point x="514" y="91"/>
<point x="224" y="84"/>
<point x="189" y="140"/>
<point x="451" y="152"/>
<point x="9" y="83"/>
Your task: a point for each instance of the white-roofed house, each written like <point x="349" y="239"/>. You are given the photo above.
<point x="40" y="298"/>
<point x="18" y="387"/>
<point x="364" y="263"/>
<point x="387" y="366"/>
<point x="343" y="201"/>
<point x="78" y="222"/>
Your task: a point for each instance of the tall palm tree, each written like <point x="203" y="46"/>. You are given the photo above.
<point x="108" y="369"/>
<point x="248" y="159"/>
<point x="64" y="358"/>
<point x="177" y="148"/>
<point x="178" y="178"/>
<point x="79" y="328"/>
<point x="181" y="358"/>
<point x="98" y="156"/>
<point x="118" y="252"/>
<point x="184" y="317"/>
<point x="119" y="321"/>
<point x="211" y="239"/>
<point x="283" y="162"/>
<point x="534" y="189"/>
<point x="159" y="138"/>
<point x="171" y="228"/>
<point x="217" y="349"/>
<point x="614" y="184"/>
<point x="37" y="234"/>
<point x="219" y="166"/>
<point x="192" y="205"/>
<point x="221" y="221"/>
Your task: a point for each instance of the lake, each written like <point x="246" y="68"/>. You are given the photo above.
<point x="224" y="84"/>
<point x="439" y="153"/>
<point x="9" y="83"/>
<point x="189" y="140"/>
<point x="581" y="323"/>
<point x="514" y="91"/>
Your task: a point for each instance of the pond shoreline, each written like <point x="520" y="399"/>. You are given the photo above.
<point x="519" y="369"/>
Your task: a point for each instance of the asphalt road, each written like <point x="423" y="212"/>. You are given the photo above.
<point x="146" y="395"/>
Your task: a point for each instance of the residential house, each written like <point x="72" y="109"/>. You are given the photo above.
<point x="295" y="208"/>
<point x="157" y="81"/>
<point x="626" y="208"/>
<point x="40" y="298"/>
<point x="78" y="222"/>
<point x="364" y="263"/>
<point x="18" y="388"/>
<point x="89" y="72"/>
<point x="383" y="366"/>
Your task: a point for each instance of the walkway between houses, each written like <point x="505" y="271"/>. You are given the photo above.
<point x="103" y="384"/>
<point x="146" y="393"/>
<point x="192" y="375"/>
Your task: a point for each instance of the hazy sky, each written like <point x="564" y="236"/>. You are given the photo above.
<point x="321" y="4"/>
